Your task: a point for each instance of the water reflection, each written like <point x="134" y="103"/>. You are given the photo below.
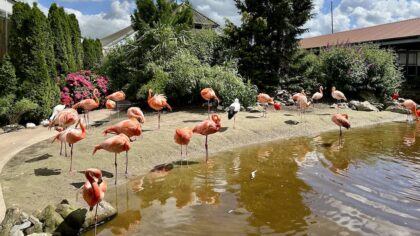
<point x="367" y="185"/>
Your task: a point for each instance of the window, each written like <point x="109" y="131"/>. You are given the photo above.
<point x="402" y="58"/>
<point x="412" y="58"/>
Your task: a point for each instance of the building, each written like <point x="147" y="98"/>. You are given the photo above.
<point x="6" y="7"/>
<point x="200" y="21"/>
<point x="402" y="36"/>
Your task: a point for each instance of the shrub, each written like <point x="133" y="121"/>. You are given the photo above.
<point x="20" y="108"/>
<point x="8" y="80"/>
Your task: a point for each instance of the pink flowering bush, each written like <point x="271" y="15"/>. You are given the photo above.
<point x="80" y="85"/>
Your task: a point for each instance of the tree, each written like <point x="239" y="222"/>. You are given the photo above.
<point x="76" y="41"/>
<point x="8" y="80"/>
<point x="92" y="52"/>
<point x="149" y="13"/>
<point x="267" y="39"/>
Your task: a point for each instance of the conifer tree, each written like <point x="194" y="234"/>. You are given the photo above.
<point x="76" y="41"/>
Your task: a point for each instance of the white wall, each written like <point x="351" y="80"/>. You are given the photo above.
<point x="6" y="6"/>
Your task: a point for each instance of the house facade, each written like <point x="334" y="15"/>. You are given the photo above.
<point x="6" y="7"/>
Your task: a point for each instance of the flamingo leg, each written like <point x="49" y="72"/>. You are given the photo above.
<point x="341" y="136"/>
<point x="96" y="216"/>
<point x="61" y="147"/>
<point x="71" y="157"/>
<point x="207" y="150"/>
<point x="208" y="109"/>
<point x="65" y="149"/>
<point x="115" y="164"/>
<point x="126" y="163"/>
<point x="234" y="121"/>
<point x="186" y="154"/>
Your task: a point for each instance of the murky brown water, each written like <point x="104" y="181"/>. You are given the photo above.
<point x="369" y="185"/>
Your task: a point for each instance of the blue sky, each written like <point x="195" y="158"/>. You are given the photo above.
<point x="98" y="18"/>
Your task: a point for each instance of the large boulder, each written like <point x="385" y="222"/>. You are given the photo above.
<point x="366" y="106"/>
<point x="51" y="219"/>
<point x="30" y="125"/>
<point x="11" y="128"/>
<point x="40" y="234"/>
<point x="36" y="226"/>
<point x="14" y="216"/>
<point x="254" y="109"/>
<point x="105" y="213"/>
<point x="397" y="109"/>
<point x="353" y="104"/>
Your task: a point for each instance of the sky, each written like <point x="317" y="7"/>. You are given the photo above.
<point x="99" y="18"/>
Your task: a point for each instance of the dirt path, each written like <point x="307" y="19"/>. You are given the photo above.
<point x="14" y="142"/>
<point x="38" y="176"/>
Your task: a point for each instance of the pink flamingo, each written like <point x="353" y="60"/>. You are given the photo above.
<point x="208" y="94"/>
<point x="303" y="104"/>
<point x="71" y="136"/>
<point x="337" y="95"/>
<point x="265" y="100"/>
<point x="130" y="127"/>
<point x="88" y="105"/>
<point x="137" y="113"/>
<point x="412" y="106"/>
<point x="182" y="137"/>
<point x="64" y="118"/>
<point x="208" y="127"/>
<point x="94" y="190"/>
<point x="318" y="95"/>
<point x="342" y="120"/>
<point x="116" y="144"/>
<point x="157" y="103"/>
<point x="118" y="96"/>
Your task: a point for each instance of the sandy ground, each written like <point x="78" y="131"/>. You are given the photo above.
<point x="38" y="176"/>
<point x="14" y="142"/>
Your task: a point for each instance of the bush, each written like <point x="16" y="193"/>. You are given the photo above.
<point x="20" y="108"/>
<point x="8" y="80"/>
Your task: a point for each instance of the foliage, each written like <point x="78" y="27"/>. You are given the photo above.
<point x="76" y="41"/>
<point x="267" y="39"/>
<point x="92" y="53"/>
<point x="80" y="85"/>
<point x="206" y="45"/>
<point x="20" y="108"/>
<point x="167" y="12"/>
<point x="31" y="55"/>
<point x="8" y="80"/>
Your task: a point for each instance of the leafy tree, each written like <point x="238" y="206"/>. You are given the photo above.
<point x="76" y="41"/>
<point x="8" y="80"/>
<point x="21" y="107"/>
<point x="92" y="52"/>
<point x="266" y="41"/>
<point x="150" y="13"/>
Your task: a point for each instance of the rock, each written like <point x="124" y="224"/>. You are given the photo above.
<point x="51" y="219"/>
<point x="400" y="100"/>
<point x="390" y="103"/>
<point x="44" y="123"/>
<point x="64" y="209"/>
<point x="397" y="109"/>
<point x="242" y="108"/>
<point x="40" y="234"/>
<point x="353" y="104"/>
<point x="105" y="213"/>
<point x="366" y="106"/>
<point x="369" y="96"/>
<point x="17" y="229"/>
<point x="12" y="218"/>
<point x="36" y="226"/>
<point x="30" y="125"/>
<point x="10" y="128"/>
<point x="380" y="106"/>
<point x="220" y="108"/>
<point x="333" y="106"/>
<point x="255" y="109"/>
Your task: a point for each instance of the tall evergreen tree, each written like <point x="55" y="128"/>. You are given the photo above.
<point x="267" y="39"/>
<point x="76" y="41"/>
<point x="92" y="49"/>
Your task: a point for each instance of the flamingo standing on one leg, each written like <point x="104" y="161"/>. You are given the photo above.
<point x="110" y="105"/>
<point x="318" y="95"/>
<point x="116" y="144"/>
<point x="296" y="96"/>
<point x="234" y="108"/>
<point x="72" y="136"/>
<point x="265" y="100"/>
<point x="88" y="105"/>
<point x="183" y="137"/>
<point x="157" y="103"/>
<point x="208" y="94"/>
<point x="130" y="127"/>
<point x="137" y="113"/>
<point x="412" y="106"/>
<point x="342" y="120"/>
<point x="208" y="127"/>
<point x="338" y="95"/>
<point x="118" y="96"/>
<point x="303" y="104"/>
<point x="64" y="119"/>
<point x="94" y="190"/>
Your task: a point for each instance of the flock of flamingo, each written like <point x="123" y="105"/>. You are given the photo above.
<point x="94" y="188"/>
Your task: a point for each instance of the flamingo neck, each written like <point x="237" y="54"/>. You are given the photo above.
<point x="95" y="187"/>
<point x="95" y="97"/>
<point x="150" y="95"/>
<point x="83" y="128"/>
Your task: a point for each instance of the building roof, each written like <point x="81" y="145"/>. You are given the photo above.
<point x="201" y="19"/>
<point x="396" y="30"/>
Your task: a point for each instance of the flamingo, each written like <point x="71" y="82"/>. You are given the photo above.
<point x="57" y="109"/>
<point x="110" y="105"/>
<point x="296" y="96"/>
<point x="265" y="100"/>
<point x="64" y="118"/>
<point x="182" y="137"/>
<point x="118" y="96"/>
<point x="137" y="113"/>
<point x="342" y="120"/>
<point x="71" y="136"/>
<point x="395" y="96"/>
<point x="209" y="94"/>
<point x="116" y="144"/>
<point x="318" y="95"/>
<point x="94" y="190"/>
<point x="157" y="103"/>
<point x="88" y="105"/>
<point x="208" y="127"/>
<point x="338" y="95"/>
<point x="303" y="104"/>
<point x="412" y="106"/>
<point x="130" y="128"/>
<point x="234" y="108"/>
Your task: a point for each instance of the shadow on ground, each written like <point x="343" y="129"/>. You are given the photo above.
<point x="291" y="122"/>
<point x="46" y="172"/>
<point x="39" y="158"/>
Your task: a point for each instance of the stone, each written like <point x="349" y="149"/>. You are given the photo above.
<point x="40" y="234"/>
<point x="30" y="125"/>
<point x="220" y="108"/>
<point x="388" y="103"/>
<point x="105" y="213"/>
<point x="36" y="226"/>
<point x="11" y="128"/>
<point x="11" y="218"/>
<point x="242" y="108"/>
<point x="64" y="209"/>
<point x="400" y="100"/>
<point x="50" y="218"/>
<point x="17" y="229"/>
<point x="366" y="106"/>
<point x="255" y="109"/>
<point x="397" y="109"/>
<point x="44" y="123"/>
<point x="369" y="96"/>
<point x="353" y="104"/>
<point x="380" y="106"/>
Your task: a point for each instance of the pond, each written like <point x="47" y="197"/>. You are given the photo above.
<point x="368" y="185"/>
